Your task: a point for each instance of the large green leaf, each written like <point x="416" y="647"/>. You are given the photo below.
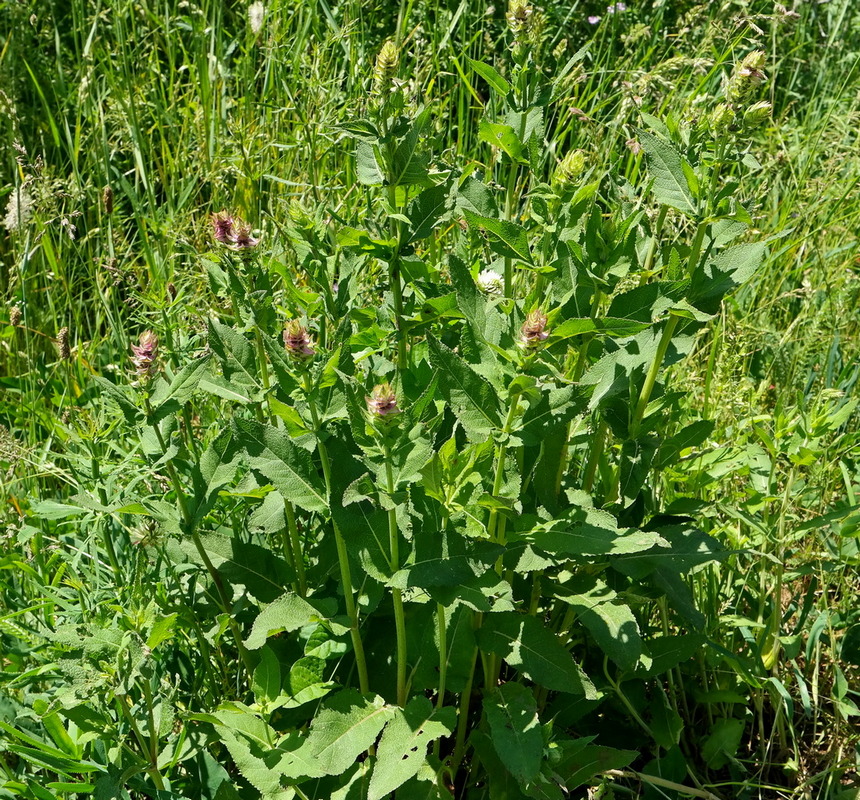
<point x="290" y="468"/>
<point x="666" y="165"/>
<point x="523" y="642"/>
<point x="181" y="388"/>
<point x="410" y="163"/>
<point x="589" y="531"/>
<point x="346" y="726"/>
<point x="511" y="238"/>
<point x="286" y="614"/>
<point x="428" y="210"/>
<point x="403" y="746"/>
<point x="515" y="730"/>
<point x="473" y="400"/>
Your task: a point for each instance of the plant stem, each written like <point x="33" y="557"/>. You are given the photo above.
<point x="342" y="555"/>
<point x="296" y="546"/>
<point x="396" y="594"/>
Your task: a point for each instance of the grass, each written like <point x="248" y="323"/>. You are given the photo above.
<point x="182" y="109"/>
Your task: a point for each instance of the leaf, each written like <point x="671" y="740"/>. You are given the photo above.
<point x="491" y="76"/>
<point x="536" y="651"/>
<point x="722" y="744"/>
<point x="288" y="467"/>
<point x="182" y="387"/>
<point x="512" y="237"/>
<point x="502" y="136"/>
<point x="715" y="278"/>
<point x="426" y="211"/>
<point x="367" y="167"/>
<point x="266" y="685"/>
<point x="215" y="470"/>
<point x="612" y="624"/>
<point x="235" y="353"/>
<point x="473" y="400"/>
<point x="409" y="164"/>
<point x="288" y="613"/>
<point x="403" y="746"/>
<point x="581" y="762"/>
<point x="666" y="165"/>
<point x="589" y="531"/>
<point x="120" y="396"/>
<point x="345" y="727"/>
<point x="515" y="730"/>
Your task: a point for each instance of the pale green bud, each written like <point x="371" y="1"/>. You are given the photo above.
<point x="757" y="114"/>
<point x="569" y="169"/>
<point x="721" y="119"/>
<point x="385" y="68"/>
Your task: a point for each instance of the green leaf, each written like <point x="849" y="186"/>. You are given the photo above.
<point x="589" y="531"/>
<point x="288" y="613"/>
<point x="718" y="276"/>
<point x="515" y="730"/>
<point x="582" y="761"/>
<point x="235" y="353"/>
<point x="536" y="651"/>
<point x="121" y="395"/>
<point x="289" y="468"/>
<point x="182" y="387"/>
<point x="502" y="136"/>
<point x="403" y="746"/>
<point x="666" y="165"/>
<point x="426" y="211"/>
<point x="410" y="165"/>
<point x="512" y="238"/>
<point x="345" y="727"/>
<point x="266" y="685"/>
<point x="611" y="623"/>
<point x="473" y="400"/>
<point x="366" y="165"/>
<point x="491" y="76"/>
<point x="722" y="744"/>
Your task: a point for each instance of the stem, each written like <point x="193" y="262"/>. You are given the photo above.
<point x="396" y="594"/>
<point x="651" y="377"/>
<point x="342" y="555"/>
<point x="296" y="546"/>
<point x="463" y="713"/>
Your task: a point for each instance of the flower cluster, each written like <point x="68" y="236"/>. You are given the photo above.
<point x="233" y="232"/>
<point x="534" y="332"/>
<point x="385" y="69"/>
<point x="297" y="341"/>
<point x="144" y="354"/>
<point x="382" y="402"/>
<point x="490" y="282"/>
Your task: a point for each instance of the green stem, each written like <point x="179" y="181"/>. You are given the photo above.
<point x="342" y="554"/>
<point x="296" y="547"/>
<point x="653" y="371"/>
<point x="396" y="594"/>
<point x="463" y="715"/>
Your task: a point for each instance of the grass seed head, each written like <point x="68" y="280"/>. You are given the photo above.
<point x="757" y="114"/>
<point x="107" y="199"/>
<point x="15" y="316"/>
<point x="63" y="346"/>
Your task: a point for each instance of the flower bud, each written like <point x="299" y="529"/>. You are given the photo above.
<point x="533" y="332"/>
<point x="223" y="227"/>
<point x="385" y="68"/>
<point x="569" y="169"/>
<point x="144" y="354"/>
<point x="297" y="342"/>
<point x="172" y="292"/>
<point x="757" y="114"/>
<point x="382" y="402"/>
<point x="63" y="344"/>
<point x="746" y="77"/>
<point x="519" y="18"/>
<point x="721" y="119"/>
<point x="490" y="282"/>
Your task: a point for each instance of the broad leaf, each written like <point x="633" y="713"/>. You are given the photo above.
<point x="666" y="165"/>
<point x="515" y="730"/>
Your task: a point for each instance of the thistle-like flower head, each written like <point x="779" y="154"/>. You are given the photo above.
<point x="490" y="282"/>
<point x="242" y="239"/>
<point x="382" y="402"/>
<point x="297" y="342"/>
<point x="223" y="227"/>
<point x="144" y="354"/>
<point x="385" y="68"/>
<point x="533" y="332"/>
<point x="519" y="17"/>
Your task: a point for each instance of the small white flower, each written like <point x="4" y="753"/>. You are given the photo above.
<point x="18" y="209"/>
<point x="490" y="282"/>
<point x="256" y="13"/>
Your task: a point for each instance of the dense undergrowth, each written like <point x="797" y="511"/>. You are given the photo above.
<point x="499" y="439"/>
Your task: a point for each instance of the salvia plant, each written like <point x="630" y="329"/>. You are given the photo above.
<point x="420" y="547"/>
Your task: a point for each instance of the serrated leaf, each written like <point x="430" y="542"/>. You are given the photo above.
<point x="588" y="531"/>
<point x="428" y="210"/>
<point x="512" y="237"/>
<point x="286" y="614"/>
<point x="503" y="137"/>
<point x="666" y="166"/>
<point x="266" y="684"/>
<point x="515" y="730"/>
<point x="182" y="387"/>
<point x="289" y="468"/>
<point x="367" y="167"/>
<point x="473" y="400"/>
<point x="403" y="747"/>
<point x="410" y="164"/>
<point x="523" y="642"/>
<point x="345" y="727"/>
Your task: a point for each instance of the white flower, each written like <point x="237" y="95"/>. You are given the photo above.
<point x="256" y="13"/>
<point x="490" y="282"/>
<point x="18" y="209"/>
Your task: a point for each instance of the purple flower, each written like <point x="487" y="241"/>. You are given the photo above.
<point x="297" y="342"/>
<point x="382" y="401"/>
<point x="534" y="330"/>
<point x="593" y="20"/>
<point x="144" y="354"/>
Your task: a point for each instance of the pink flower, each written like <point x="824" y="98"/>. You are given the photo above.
<point x="297" y="342"/>
<point x="382" y="401"/>
<point x="223" y="227"/>
<point x="534" y="330"/>
<point x="145" y="354"/>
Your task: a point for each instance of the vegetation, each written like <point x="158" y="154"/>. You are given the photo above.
<point x="429" y="400"/>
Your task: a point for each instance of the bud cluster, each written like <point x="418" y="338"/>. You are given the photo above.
<point x="385" y="69"/>
<point x="145" y="354"/>
<point x="746" y="77"/>
<point x="534" y="332"/>
<point x="297" y="341"/>
<point x="382" y="402"/>
<point x="233" y="232"/>
<point x="569" y="169"/>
